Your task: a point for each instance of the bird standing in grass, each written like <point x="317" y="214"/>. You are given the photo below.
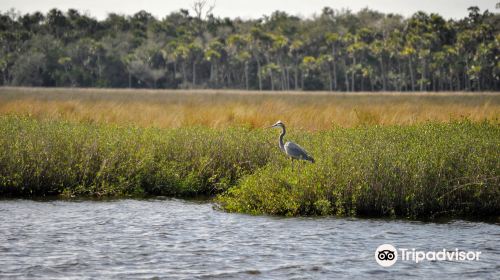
<point x="293" y="150"/>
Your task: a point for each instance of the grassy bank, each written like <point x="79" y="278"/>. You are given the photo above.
<point x="414" y="171"/>
<point x="54" y="157"/>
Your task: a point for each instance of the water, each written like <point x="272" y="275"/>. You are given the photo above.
<point x="179" y="239"/>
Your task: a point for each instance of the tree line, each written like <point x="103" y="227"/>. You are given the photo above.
<point x="335" y="50"/>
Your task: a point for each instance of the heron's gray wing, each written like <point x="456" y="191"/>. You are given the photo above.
<point x="296" y="151"/>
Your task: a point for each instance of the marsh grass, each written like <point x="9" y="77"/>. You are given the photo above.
<point x="86" y="159"/>
<point x="417" y="170"/>
<point x="221" y="109"/>
<point x="384" y="154"/>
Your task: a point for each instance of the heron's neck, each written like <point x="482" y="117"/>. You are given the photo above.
<point x="283" y="131"/>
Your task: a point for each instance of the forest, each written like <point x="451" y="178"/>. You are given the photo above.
<point x="334" y="50"/>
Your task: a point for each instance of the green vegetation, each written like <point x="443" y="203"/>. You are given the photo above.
<point x="419" y="170"/>
<point x="410" y="171"/>
<point x="54" y="157"/>
<point x="334" y="50"/>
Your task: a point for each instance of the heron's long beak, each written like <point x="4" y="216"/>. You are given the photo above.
<point x="271" y="126"/>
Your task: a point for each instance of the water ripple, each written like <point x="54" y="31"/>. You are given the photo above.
<point x="176" y="239"/>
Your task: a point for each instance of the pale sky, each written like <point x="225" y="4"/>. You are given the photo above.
<point x="252" y="8"/>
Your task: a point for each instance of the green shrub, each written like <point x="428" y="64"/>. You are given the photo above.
<point x="54" y="157"/>
<point x="411" y="171"/>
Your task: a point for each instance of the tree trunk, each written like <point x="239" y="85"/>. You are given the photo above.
<point x="272" y="80"/>
<point x="383" y="74"/>
<point x="411" y="75"/>
<point x="467" y="83"/>
<point x="229" y="81"/>
<point x="399" y="87"/>
<point x="330" y="79"/>
<point x="287" y="78"/>
<point x="283" y="77"/>
<point x="434" y="82"/>
<point x="450" y="78"/>
<point x="216" y="73"/>
<point x="296" y="77"/>
<point x="335" y="87"/>
<point x="334" y="69"/>
<point x="302" y="80"/>
<point x="246" y="75"/>
<point x="175" y="73"/>
<point x="194" y="73"/>
<point x="99" y="68"/>
<point x="346" y="78"/>
<point x="422" y="79"/>
<point x="259" y="74"/>
<point x="184" y="73"/>
<point x="211" y="72"/>
<point x="4" y="75"/>
<point x="353" y="72"/>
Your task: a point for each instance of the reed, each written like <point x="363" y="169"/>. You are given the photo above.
<point x="222" y="109"/>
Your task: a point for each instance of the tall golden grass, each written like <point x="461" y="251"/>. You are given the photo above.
<point x="218" y="109"/>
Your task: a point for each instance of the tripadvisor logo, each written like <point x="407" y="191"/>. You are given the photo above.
<point x="386" y="255"/>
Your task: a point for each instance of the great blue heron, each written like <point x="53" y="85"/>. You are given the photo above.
<point x="293" y="150"/>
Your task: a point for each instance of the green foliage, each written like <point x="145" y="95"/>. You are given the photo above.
<point x="338" y="50"/>
<point x="412" y="171"/>
<point x="51" y="158"/>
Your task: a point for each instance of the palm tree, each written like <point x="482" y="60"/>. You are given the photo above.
<point x="296" y="51"/>
<point x="333" y="40"/>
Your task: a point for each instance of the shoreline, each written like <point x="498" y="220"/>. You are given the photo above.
<point x="438" y="218"/>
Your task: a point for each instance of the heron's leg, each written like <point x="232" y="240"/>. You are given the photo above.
<point x="291" y="158"/>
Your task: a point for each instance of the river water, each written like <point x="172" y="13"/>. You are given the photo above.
<point x="180" y="239"/>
